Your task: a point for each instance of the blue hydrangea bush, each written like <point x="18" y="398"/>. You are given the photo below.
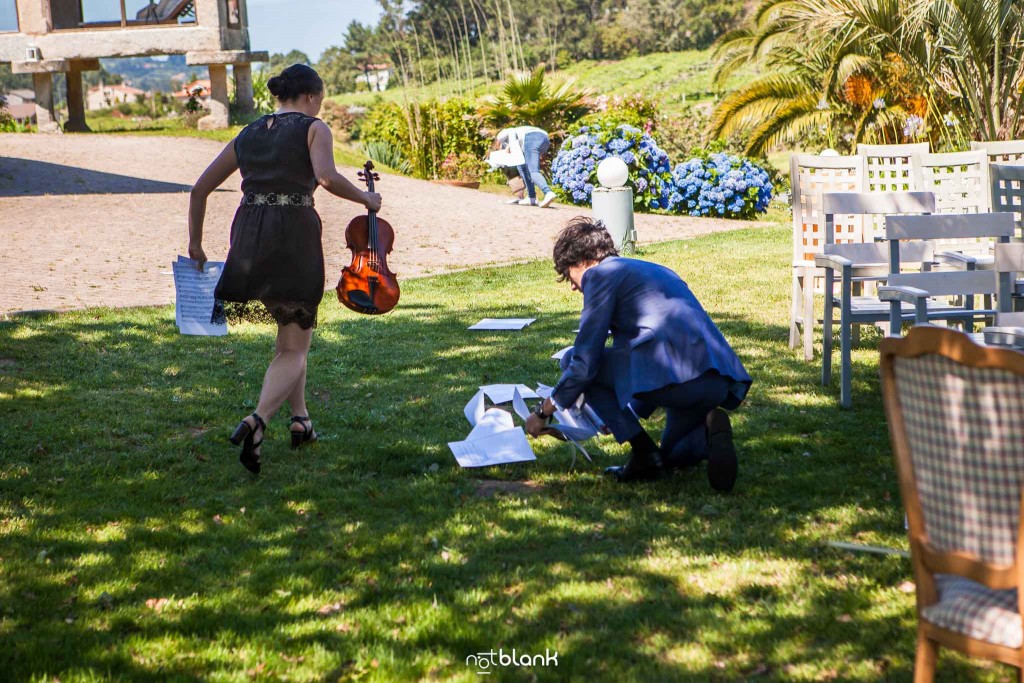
<point x="721" y="185"/>
<point x="574" y="170"/>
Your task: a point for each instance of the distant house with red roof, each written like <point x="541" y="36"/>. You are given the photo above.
<point x="104" y="96"/>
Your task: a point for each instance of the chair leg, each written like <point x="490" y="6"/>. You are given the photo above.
<point x="809" y="315"/>
<point x="924" y="661"/>
<point x="826" y="331"/>
<point x="858" y="289"/>
<point x="794" y="311"/>
<point x="846" y="369"/>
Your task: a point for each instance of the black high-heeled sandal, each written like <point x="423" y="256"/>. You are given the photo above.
<point x="307" y="435"/>
<point x="244" y="435"/>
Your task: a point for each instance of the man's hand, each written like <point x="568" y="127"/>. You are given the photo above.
<point x="535" y="424"/>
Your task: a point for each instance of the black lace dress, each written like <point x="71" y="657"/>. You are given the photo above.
<point x="276" y="256"/>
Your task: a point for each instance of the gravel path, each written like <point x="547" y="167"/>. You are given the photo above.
<point x="95" y="220"/>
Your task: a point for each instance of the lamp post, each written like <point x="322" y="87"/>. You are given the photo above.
<point x="613" y="203"/>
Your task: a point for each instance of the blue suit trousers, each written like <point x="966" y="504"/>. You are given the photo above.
<point x="686" y="405"/>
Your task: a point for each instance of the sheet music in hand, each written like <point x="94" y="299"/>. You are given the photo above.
<point x="193" y="297"/>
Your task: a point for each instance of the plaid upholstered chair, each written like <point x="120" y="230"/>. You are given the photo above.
<point x="956" y="419"/>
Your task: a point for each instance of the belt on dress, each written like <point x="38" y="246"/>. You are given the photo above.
<point x="277" y="199"/>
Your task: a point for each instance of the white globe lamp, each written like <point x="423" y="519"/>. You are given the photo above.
<point x="612" y="172"/>
<point x="829" y="153"/>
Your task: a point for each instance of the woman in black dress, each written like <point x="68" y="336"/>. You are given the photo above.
<point x="276" y="260"/>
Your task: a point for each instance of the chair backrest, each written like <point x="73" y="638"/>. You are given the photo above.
<point x="1001" y="151"/>
<point x="1007" y="183"/>
<point x="954" y="419"/>
<point x="809" y="176"/>
<point x="878" y="205"/>
<point x="959" y="181"/>
<point x="993" y="227"/>
<point x="892" y="168"/>
<point x="877" y="253"/>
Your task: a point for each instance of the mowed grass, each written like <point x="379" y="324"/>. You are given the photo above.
<point x="134" y="547"/>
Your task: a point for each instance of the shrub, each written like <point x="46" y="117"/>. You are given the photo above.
<point x="634" y="110"/>
<point x="574" y="171"/>
<point x="340" y="120"/>
<point x="427" y="133"/>
<point x="722" y="185"/>
<point x="388" y="154"/>
<point x="386" y="122"/>
<point x="463" y="167"/>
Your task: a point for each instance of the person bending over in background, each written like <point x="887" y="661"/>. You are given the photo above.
<point x="529" y="144"/>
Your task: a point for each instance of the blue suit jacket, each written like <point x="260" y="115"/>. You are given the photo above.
<point x="661" y="334"/>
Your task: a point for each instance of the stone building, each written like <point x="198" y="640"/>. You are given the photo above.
<point x="48" y="37"/>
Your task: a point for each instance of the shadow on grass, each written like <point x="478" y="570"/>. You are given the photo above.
<point x="371" y="554"/>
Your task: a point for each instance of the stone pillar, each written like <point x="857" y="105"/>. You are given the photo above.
<point x="76" y="103"/>
<point x="46" y="120"/>
<point x="218" y="117"/>
<point x="243" y="88"/>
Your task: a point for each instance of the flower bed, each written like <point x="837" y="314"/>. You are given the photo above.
<point x="720" y="185"/>
<point x="574" y="170"/>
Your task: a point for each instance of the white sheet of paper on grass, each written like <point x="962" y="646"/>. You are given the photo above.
<point x="502" y="323"/>
<point x="494" y="439"/>
<point x="561" y="354"/>
<point x="193" y="297"/>
<point x="497" y="449"/>
<point x="502" y="393"/>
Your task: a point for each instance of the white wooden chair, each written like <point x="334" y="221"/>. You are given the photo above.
<point x="810" y="175"/>
<point x="855" y="264"/>
<point x="961" y="185"/>
<point x="920" y="289"/>
<point x="954" y="413"/>
<point x="890" y="168"/>
<point x="1001" y="151"/>
<point x="1007" y="184"/>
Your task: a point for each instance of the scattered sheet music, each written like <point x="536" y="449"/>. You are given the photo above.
<point x="193" y="297"/>
<point x="494" y="440"/>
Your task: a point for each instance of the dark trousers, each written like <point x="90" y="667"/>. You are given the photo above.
<point x="684" y="441"/>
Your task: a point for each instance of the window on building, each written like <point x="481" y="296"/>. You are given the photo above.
<point x="70" y="14"/>
<point x="8" y="16"/>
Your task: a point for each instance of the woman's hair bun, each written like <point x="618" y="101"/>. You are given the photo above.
<point x="296" y="80"/>
<point x="277" y="87"/>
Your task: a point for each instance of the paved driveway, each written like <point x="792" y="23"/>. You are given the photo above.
<point x="95" y="220"/>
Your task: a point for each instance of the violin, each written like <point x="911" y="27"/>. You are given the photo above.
<point x="367" y="285"/>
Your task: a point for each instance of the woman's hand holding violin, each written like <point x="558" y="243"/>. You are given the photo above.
<point x="372" y="201"/>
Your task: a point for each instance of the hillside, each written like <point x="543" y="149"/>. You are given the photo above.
<point x="678" y="79"/>
<point x="148" y="73"/>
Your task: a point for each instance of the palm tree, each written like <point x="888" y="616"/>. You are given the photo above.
<point x="532" y="99"/>
<point x="830" y="59"/>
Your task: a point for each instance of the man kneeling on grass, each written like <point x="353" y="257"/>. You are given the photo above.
<point x="666" y="353"/>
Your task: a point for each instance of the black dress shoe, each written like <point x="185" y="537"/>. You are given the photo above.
<point x="722" y="462"/>
<point x="638" y="468"/>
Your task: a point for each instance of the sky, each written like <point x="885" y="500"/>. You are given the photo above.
<point x="307" y="25"/>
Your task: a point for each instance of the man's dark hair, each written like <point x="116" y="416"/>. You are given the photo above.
<point x="581" y="240"/>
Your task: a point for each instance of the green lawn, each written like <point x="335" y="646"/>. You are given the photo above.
<point x="134" y="547"/>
